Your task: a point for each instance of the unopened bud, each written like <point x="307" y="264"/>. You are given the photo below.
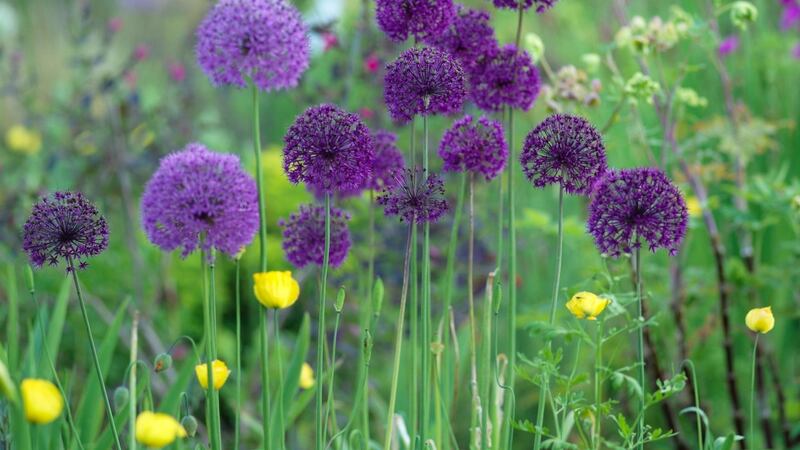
<point x="339" y="305"/>
<point x="189" y="423"/>
<point x="163" y="362"/>
<point x="121" y="396"/>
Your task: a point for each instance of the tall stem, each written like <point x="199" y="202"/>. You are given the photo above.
<point x="598" y="358"/>
<point x="752" y="435"/>
<point x="320" y="438"/>
<point x="265" y="384"/>
<point x="132" y="382"/>
<point x="329" y="412"/>
<point x="640" y="344"/>
<point x="414" y="314"/>
<point x="237" y="414"/>
<point x="426" y="303"/>
<point x="95" y="359"/>
<point x="473" y="341"/>
<point x="276" y="324"/>
<point x="209" y="299"/>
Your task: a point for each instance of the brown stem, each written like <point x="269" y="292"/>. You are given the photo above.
<point x="786" y="427"/>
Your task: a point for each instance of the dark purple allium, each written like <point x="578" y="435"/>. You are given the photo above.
<point x="389" y="162"/>
<point x="423" y="81"/>
<point x="541" y="5"/>
<point x="199" y="198"/>
<point x="328" y="149"/>
<point x="790" y="16"/>
<point x="478" y="146"/>
<point x="507" y="79"/>
<point x="565" y="150"/>
<point x="633" y="204"/>
<point x="304" y="236"/>
<point x="64" y="225"/>
<point x="415" y="197"/>
<point x="421" y="19"/>
<point x="264" y="41"/>
<point x="469" y="38"/>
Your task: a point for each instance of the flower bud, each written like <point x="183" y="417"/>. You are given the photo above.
<point x="339" y="305"/>
<point x="163" y="362"/>
<point x="189" y="423"/>
<point x="276" y="289"/>
<point x="41" y="401"/>
<point x="220" y="372"/>
<point x="534" y="46"/>
<point x="760" y="320"/>
<point x="121" y="396"/>
<point x="743" y="14"/>
<point x="377" y="297"/>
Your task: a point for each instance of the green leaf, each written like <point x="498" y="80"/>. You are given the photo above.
<point x="291" y="380"/>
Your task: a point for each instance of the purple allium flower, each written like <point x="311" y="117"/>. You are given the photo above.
<point x="389" y="162"/>
<point x="64" y="225"/>
<point x="728" y="45"/>
<point x="415" y="197"/>
<point x="541" y="5"/>
<point x="509" y="78"/>
<point x="328" y="149"/>
<point x="478" y="146"/>
<point x="469" y="38"/>
<point x="421" y="19"/>
<point x="790" y="15"/>
<point x="565" y="150"/>
<point x="199" y="198"/>
<point x="423" y="81"/>
<point x="633" y="204"/>
<point x="264" y="41"/>
<point x="304" y="236"/>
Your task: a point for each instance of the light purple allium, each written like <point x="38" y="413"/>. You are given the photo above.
<point x="389" y="162"/>
<point x="478" y="146"/>
<point x="633" y="204"/>
<point x="264" y="41"/>
<point x="328" y="149"/>
<point x="509" y="78"/>
<point x="469" y="38"/>
<point x="304" y="236"/>
<point x="423" y="81"/>
<point x="565" y="150"/>
<point x="199" y="198"/>
<point x="421" y="19"/>
<point x="728" y="45"/>
<point x="541" y="5"/>
<point x="415" y="197"/>
<point x="64" y="225"/>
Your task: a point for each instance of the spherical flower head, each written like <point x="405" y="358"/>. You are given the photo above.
<point x="400" y="19"/>
<point x="276" y="289"/>
<point x="67" y="226"/>
<point x="157" y="430"/>
<point x="423" y="81"/>
<point x="304" y="236"/>
<point x="478" y="146"/>
<point x="219" y="371"/>
<point x="541" y="5"/>
<point x="468" y="38"/>
<point x="199" y="198"/>
<point x="760" y="320"/>
<point x="634" y="204"/>
<point x="264" y="41"/>
<point x="507" y="78"/>
<point x="41" y="401"/>
<point x="586" y="305"/>
<point x="329" y="149"/>
<point x="389" y="161"/>
<point x="307" y="380"/>
<point x="565" y="150"/>
<point x="415" y="198"/>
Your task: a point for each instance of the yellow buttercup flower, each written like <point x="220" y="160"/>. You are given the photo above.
<point x="585" y="305"/>
<point x="220" y="370"/>
<point x="22" y="140"/>
<point x="157" y="430"/>
<point x="276" y="289"/>
<point x="41" y="400"/>
<point x="760" y="320"/>
<point x="694" y="207"/>
<point x="307" y="380"/>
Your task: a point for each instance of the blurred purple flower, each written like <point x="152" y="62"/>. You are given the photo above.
<point x="415" y="197"/>
<point x="508" y="78"/>
<point x="114" y="24"/>
<point x="64" y="225"/>
<point x="468" y="38"/>
<point x="421" y="19"/>
<point x="141" y="52"/>
<point x="199" y="198"/>
<point x="388" y="163"/>
<point x="264" y="41"/>
<point x="304" y="236"/>
<point x="728" y="45"/>
<point x="478" y="146"/>
<point x="796" y="51"/>
<point x="541" y="5"/>
<point x="633" y="204"/>
<point x="177" y="71"/>
<point x="790" y="16"/>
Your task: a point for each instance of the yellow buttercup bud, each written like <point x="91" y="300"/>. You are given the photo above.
<point x="41" y="400"/>
<point x="760" y="320"/>
<point x="157" y="430"/>
<point x="585" y="305"/>
<point x="276" y="289"/>
<point x="307" y="380"/>
<point x="220" y="371"/>
<point x="23" y="140"/>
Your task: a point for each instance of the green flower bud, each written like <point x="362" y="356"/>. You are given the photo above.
<point x="743" y="14"/>
<point x="377" y="297"/>
<point x="534" y="46"/>
<point x="163" y="362"/>
<point x="121" y="396"/>
<point x="339" y="305"/>
<point x="189" y="423"/>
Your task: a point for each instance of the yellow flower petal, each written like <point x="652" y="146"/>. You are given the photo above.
<point x="157" y="430"/>
<point x="41" y="400"/>
<point x="220" y="373"/>
<point x="307" y="380"/>
<point x="276" y="289"/>
<point x="760" y="320"/>
<point x="22" y="140"/>
<point x="587" y="305"/>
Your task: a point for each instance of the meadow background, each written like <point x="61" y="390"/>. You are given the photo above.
<point x="110" y="87"/>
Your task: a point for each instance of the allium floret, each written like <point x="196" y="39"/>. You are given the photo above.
<point x="508" y="78"/>
<point x="478" y="146"/>
<point x="304" y="236"/>
<point x="469" y="38"/>
<point x="417" y="197"/>
<point x="541" y="5"/>
<point x="421" y="19"/>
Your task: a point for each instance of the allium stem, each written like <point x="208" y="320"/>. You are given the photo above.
<point x="752" y="434"/>
<point x="132" y="382"/>
<point x="414" y="314"/>
<point x="426" y="302"/>
<point x="95" y="359"/>
<point x="320" y="438"/>
<point x="598" y="359"/>
<point x="640" y="343"/>
<point x="473" y="340"/>
<point x="209" y="300"/>
<point x="276" y="324"/>
<point x="265" y="384"/>
<point x="329" y="413"/>
<point x="366" y="316"/>
<point x="237" y="413"/>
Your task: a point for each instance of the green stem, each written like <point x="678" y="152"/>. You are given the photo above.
<point x="640" y="344"/>
<point x="426" y="303"/>
<point x="265" y="383"/>
<point x="329" y="413"/>
<point x="212" y="395"/>
<point x="752" y="436"/>
<point x="320" y="437"/>
<point x="366" y="315"/>
<point x="473" y="341"/>
<point x="598" y="358"/>
<point x="414" y="313"/>
<point x="688" y="363"/>
<point x="95" y="358"/>
<point x="132" y="382"/>
<point x="237" y="413"/>
<point x="281" y="426"/>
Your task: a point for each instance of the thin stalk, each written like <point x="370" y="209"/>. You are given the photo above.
<point x="486" y="363"/>
<point x="640" y="345"/>
<point x="132" y="382"/>
<point x="276" y="324"/>
<point x="237" y="413"/>
<point x="398" y="342"/>
<point x="690" y="365"/>
<point x="320" y="437"/>
<point x="752" y="434"/>
<point x="426" y="303"/>
<point x="95" y="359"/>
<point x="211" y="346"/>
<point x="366" y="314"/>
<point x="414" y="314"/>
<point x="329" y="413"/>
<point x="598" y="358"/>
<point x="265" y="383"/>
<point x="473" y="341"/>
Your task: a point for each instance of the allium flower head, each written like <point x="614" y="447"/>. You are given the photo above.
<point x="388" y="161"/>
<point x="634" y="204"/>
<point x="478" y="146"/>
<point x="415" y="197"/>
<point x="304" y="236"/>
<point x="509" y="78"/>
<point x="264" y="41"/>
<point x="328" y="149"/>
<point x="400" y="19"/>
<point x="67" y="226"/>
<point x="199" y="198"/>
<point x="468" y="38"/>
<point x="423" y="81"/>
<point x="541" y="5"/>
<point x="565" y="150"/>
